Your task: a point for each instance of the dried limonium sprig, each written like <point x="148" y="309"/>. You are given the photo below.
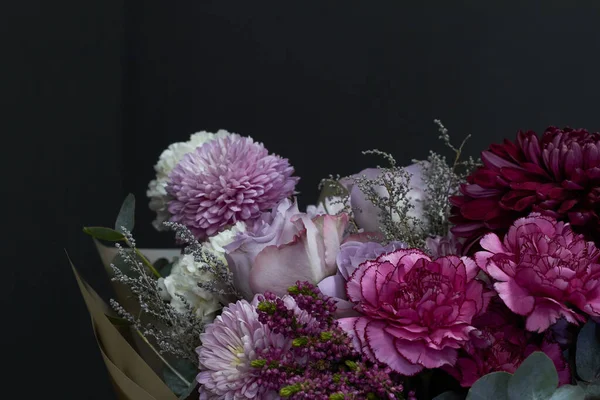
<point x="442" y="180"/>
<point x="222" y="285"/>
<point x="175" y="331"/>
<point x="394" y="203"/>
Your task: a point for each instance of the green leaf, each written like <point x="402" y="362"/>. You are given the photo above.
<point x="535" y="379"/>
<point x="104" y="233"/>
<point x="448" y="396"/>
<point x="591" y="390"/>
<point x="187" y="370"/>
<point x="568" y="392"/>
<point x="587" y="356"/>
<point x="490" y="386"/>
<point x="189" y="391"/>
<point x="126" y="215"/>
<point x="163" y="266"/>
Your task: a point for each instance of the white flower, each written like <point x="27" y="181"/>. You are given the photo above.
<point x="222" y="239"/>
<point x="183" y="282"/>
<point x="168" y="159"/>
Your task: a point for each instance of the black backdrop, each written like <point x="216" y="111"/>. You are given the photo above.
<point x="93" y="91"/>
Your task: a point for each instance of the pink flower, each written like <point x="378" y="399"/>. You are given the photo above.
<point x="501" y="345"/>
<point x="416" y="312"/>
<point x="229" y="345"/>
<point x="544" y="271"/>
<point x="284" y="247"/>
<point x="227" y="180"/>
<point x="353" y="252"/>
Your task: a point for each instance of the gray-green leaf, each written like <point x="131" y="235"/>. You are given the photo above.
<point x="126" y="215"/>
<point x="591" y="390"/>
<point x="535" y="379"/>
<point x="490" y="386"/>
<point x="568" y="392"/>
<point x="104" y="233"/>
<point x="187" y="370"/>
<point x="448" y="396"/>
<point x="587" y="356"/>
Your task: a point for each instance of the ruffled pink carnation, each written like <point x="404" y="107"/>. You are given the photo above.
<point x="227" y="180"/>
<point x="416" y="312"/>
<point x="544" y="271"/>
<point x="500" y="344"/>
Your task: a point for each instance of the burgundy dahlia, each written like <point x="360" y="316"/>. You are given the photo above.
<point x="557" y="175"/>
<point x="226" y="180"/>
<point x="543" y="271"/>
<point x="416" y="312"/>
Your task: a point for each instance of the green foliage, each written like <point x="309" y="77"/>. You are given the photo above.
<point x="126" y="217"/>
<point x="490" y="386"/>
<point x="102" y="233"/>
<point x="448" y="396"/>
<point x="535" y="379"/>
<point x="186" y="370"/>
<point x="587" y="356"/>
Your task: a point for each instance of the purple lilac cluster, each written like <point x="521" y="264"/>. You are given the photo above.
<point x="322" y="362"/>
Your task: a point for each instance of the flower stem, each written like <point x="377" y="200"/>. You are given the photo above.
<point x="147" y="263"/>
<point x="185" y="381"/>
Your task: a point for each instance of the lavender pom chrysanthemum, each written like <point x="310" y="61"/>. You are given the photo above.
<point x="227" y="180"/>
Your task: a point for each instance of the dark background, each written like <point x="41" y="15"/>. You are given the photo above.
<point x="93" y="91"/>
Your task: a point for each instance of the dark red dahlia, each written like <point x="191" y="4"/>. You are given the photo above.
<point x="556" y="175"/>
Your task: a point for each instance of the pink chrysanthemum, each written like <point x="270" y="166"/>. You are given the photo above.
<point x="229" y="345"/>
<point x="227" y="180"/>
<point x="543" y="271"/>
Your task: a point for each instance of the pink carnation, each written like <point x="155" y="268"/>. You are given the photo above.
<point x="416" y="312"/>
<point x="500" y="344"/>
<point x="544" y="271"/>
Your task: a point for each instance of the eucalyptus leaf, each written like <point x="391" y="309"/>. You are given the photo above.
<point x="587" y="356"/>
<point x="568" y="392"/>
<point x="187" y="370"/>
<point x="591" y="390"/>
<point x="449" y="396"/>
<point x="535" y="379"/>
<point x="102" y="233"/>
<point x="189" y="391"/>
<point x="163" y="266"/>
<point x="490" y="386"/>
<point x="126" y="215"/>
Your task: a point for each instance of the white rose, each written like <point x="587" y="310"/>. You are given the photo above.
<point x="183" y="282"/>
<point x="169" y="158"/>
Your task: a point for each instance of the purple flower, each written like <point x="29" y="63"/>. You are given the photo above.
<point x="440" y="246"/>
<point x="543" y="271"/>
<point x="283" y="247"/>
<point x="229" y="345"/>
<point x="227" y="180"/>
<point x="352" y="254"/>
<point x="416" y="312"/>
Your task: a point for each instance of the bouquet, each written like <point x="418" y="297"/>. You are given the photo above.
<point x="460" y="279"/>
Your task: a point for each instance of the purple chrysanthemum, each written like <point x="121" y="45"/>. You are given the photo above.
<point x="227" y="180"/>
<point x="229" y="345"/>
